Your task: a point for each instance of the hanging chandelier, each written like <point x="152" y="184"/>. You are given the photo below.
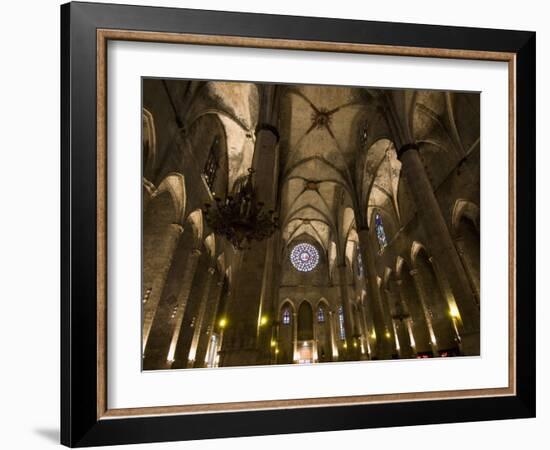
<point x="240" y="218"/>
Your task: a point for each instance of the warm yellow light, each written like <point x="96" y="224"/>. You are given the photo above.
<point x="355" y="344"/>
<point x="273" y="343"/>
<point x="453" y="311"/>
<point x="276" y="351"/>
<point x="222" y="323"/>
<point x="345" y="345"/>
<point x="373" y="335"/>
<point x="263" y="320"/>
<point x="388" y="334"/>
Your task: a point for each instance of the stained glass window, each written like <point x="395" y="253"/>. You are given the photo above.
<point x="321" y="315"/>
<point x="304" y="257"/>
<point x="286" y="316"/>
<point x="380" y="233"/>
<point x="341" y="323"/>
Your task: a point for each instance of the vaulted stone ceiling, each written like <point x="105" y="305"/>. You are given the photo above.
<point x="323" y="131"/>
<point x="379" y="183"/>
<point x="326" y="168"/>
<point x="335" y="154"/>
<point x="318" y="153"/>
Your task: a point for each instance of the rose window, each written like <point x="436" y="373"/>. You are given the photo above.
<point x="304" y="257"/>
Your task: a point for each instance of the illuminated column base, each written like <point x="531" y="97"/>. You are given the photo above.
<point x="183" y="298"/>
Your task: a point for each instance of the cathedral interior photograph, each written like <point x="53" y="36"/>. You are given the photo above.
<point x="305" y="224"/>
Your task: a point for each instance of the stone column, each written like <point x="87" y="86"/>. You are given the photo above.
<point x="266" y="163"/>
<point x="243" y="304"/>
<point x="315" y="355"/>
<point x="183" y="298"/>
<point x="263" y="334"/>
<point x="444" y="322"/>
<point x="367" y="332"/>
<point x="400" y="321"/>
<point x="473" y="277"/>
<point x="200" y="317"/>
<point x="389" y="332"/>
<point x="441" y="244"/>
<point x="406" y="322"/>
<point x="150" y="305"/>
<point x="266" y="179"/>
<point x="266" y="151"/>
<point x="383" y="345"/>
<point x="210" y="318"/>
<point x="242" y="339"/>
<point x="333" y="337"/>
<point x="349" y="354"/>
<point x="295" y="336"/>
<point x="422" y="297"/>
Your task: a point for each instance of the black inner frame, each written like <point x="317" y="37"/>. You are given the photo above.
<point x="79" y="424"/>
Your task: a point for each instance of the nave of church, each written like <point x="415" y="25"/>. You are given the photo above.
<point x="299" y="224"/>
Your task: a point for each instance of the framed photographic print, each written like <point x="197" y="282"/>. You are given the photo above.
<point x="277" y="224"/>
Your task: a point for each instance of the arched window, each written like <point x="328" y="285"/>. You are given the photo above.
<point x="380" y="233"/>
<point x="341" y="323"/>
<point x="286" y="316"/>
<point x="304" y="257"/>
<point x="320" y="315"/>
<point x="211" y="166"/>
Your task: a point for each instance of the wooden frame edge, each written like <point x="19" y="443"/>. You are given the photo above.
<point x="512" y="272"/>
<point x="303" y="403"/>
<point x="101" y="190"/>
<point x="103" y="36"/>
<point x="290" y="44"/>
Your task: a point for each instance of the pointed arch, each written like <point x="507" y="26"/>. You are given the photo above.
<point x="322" y="324"/>
<point x="416" y="247"/>
<point x="344" y="175"/>
<point x="323" y="302"/>
<point x="286" y="311"/>
<point x="327" y="219"/>
<point x="464" y="208"/>
<point x="379" y="161"/>
<point x="220" y="112"/>
<point x="286" y="335"/>
<point x="314" y="198"/>
<point x="308" y="230"/>
<point x="305" y="321"/>
<point x="287" y="302"/>
<point x="195" y="219"/>
<point x="174" y="184"/>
